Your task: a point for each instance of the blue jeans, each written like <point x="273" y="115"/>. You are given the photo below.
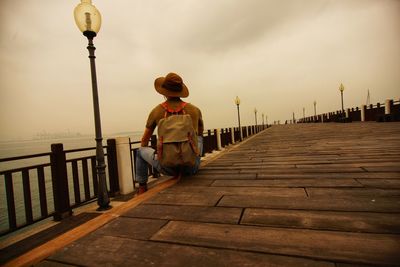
<point x="146" y="155"/>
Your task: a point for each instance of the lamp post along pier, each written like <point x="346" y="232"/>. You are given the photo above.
<point x="341" y="89"/>
<point x="263" y="119"/>
<point x="237" y="102"/>
<point x="315" y="108"/>
<point x="255" y="115"/>
<point x="88" y="20"/>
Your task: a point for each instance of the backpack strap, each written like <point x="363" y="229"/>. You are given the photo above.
<point x="173" y="111"/>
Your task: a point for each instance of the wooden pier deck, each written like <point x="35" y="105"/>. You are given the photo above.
<point x="293" y="195"/>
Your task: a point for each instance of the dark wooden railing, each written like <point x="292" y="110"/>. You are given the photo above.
<point x="66" y="179"/>
<point x="46" y="187"/>
<point x="373" y="112"/>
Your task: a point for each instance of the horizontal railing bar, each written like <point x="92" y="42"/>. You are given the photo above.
<point x="81" y="149"/>
<point x="25" y="168"/>
<point x="82" y="158"/>
<point x="26" y="157"/>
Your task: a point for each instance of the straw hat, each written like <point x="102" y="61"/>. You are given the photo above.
<point x="171" y="85"/>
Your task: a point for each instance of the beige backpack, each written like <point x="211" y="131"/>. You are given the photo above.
<point x="177" y="140"/>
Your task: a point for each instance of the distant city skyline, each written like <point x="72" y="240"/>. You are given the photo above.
<point x="277" y="56"/>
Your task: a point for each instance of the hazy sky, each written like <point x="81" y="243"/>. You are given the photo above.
<point x="277" y="56"/>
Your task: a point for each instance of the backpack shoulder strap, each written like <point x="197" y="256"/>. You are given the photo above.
<point x="173" y="111"/>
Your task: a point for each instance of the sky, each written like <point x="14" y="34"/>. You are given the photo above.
<point x="278" y="56"/>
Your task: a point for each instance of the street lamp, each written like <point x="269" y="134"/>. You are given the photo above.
<point x="263" y="119"/>
<point x="341" y="89"/>
<point x="315" y="108"/>
<point x="304" y="114"/>
<point x="237" y="102"/>
<point x="88" y="20"/>
<point x="255" y="115"/>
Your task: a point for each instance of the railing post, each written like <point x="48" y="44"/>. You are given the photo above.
<point x="363" y="109"/>
<point x="209" y="142"/>
<point x="233" y="135"/>
<point x="388" y="106"/>
<point x="59" y="177"/>
<point x="112" y="166"/>
<point x="215" y="140"/>
<point x="124" y="165"/>
<point x="218" y="134"/>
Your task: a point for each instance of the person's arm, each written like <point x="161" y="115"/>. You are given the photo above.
<point x="146" y="137"/>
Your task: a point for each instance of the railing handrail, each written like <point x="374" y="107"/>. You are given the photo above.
<point x="81" y="149"/>
<point x="25" y="157"/>
<point x="44" y="154"/>
<point x="30" y="167"/>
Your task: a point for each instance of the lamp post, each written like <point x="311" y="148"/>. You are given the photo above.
<point x="237" y="102"/>
<point x="304" y="114"/>
<point x="263" y="119"/>
<point x="88" y="20"/>
<point x="315" y="108"/>
<point x="341" y="89"/>
<point x="255" y="115"/>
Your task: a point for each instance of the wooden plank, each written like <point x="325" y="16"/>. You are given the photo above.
<point x="334" y="246"/>
<point x="342" y="175"/>
<point x="193" y="181"/>
<point x="204" y="171"/>
<point x="352" y="192"/>
<point x="324" y="182"/>
<point x="383" y="169"/>
<point x="377" y="204"/>
<point x="247" y="176"/>
<point x="187" y="213"/>
<point x="250" y="191"/>
<point x="353" y="164"/>
<point x="192" y="199"/>
<point x="114" y="251"/>
<point x="311" y="170"/>
<point x="381" y="183"/>
<point x="324" y="220"/>
<point x="136" y="228"/>
<point x="48" y="263"/>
